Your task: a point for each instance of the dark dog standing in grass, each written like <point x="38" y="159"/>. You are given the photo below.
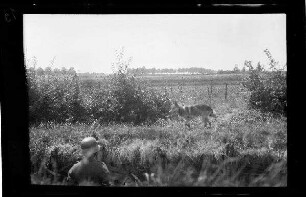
<point x="89" y="171"/>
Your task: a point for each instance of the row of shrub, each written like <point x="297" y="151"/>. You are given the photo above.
<point x="62" y="97"/>
<point x="65" y="98"/>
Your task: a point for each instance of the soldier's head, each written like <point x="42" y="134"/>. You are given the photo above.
<point x="89" y="147"/>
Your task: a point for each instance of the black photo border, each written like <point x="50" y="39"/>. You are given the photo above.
<point x="14" y="97"/>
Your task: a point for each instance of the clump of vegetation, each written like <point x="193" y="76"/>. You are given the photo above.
<point x="59" y="96"/>
<point x="268" y="88"/>
<point x="54" y="96"/>
<point x="135" y="103"/>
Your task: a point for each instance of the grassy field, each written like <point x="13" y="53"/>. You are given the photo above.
<point x="191" y="79"/>
<point x="180" y="79"/>
<point x="243" y="147"/>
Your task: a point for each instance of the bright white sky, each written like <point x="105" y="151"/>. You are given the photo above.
<point x="88" y="42"/>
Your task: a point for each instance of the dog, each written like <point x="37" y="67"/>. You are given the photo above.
<point x="193" y="111"/>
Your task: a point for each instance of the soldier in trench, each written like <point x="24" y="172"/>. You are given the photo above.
<point x="89" y="171"/>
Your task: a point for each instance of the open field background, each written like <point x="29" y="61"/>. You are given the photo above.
<point x="243" y="148"/>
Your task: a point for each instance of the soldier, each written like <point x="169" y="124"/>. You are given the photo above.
<point x="89" y="170"/>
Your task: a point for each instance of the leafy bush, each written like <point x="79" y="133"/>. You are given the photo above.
<point x="133" y="101"/>
<point x="54" y="98"/>
<point x="268" y="88"/>
<point x="62" y="97"/>
<point x="136" y="103"/>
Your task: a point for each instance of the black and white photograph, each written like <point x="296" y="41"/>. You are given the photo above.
<point x="141" y="100"/>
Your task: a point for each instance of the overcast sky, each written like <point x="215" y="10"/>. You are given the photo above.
<point x="88" y="42"/>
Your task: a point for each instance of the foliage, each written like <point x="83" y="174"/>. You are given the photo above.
<point x="54" y="98"/>
<point x="130" y="101"/>
<point x="244" y="150"/>
<point x="62" y="97"/>
<point x="137" y="103"/>
<point x="268" y="89"/>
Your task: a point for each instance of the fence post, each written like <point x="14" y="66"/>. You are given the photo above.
<point x="225" y="91"/>
<point x="208" y="94"/>
<point x="211" y="91"/>
<point x="211" y="85"/>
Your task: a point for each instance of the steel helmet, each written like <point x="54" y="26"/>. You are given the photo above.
<point x="89" y="146"/>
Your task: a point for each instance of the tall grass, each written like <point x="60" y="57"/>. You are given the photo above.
<point x="241" y="151"/>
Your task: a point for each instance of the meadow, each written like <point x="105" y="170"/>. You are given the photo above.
<point x="244" y="147"/>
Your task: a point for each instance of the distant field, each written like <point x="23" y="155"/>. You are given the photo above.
<point x="190" y="89"/>
<point x="181" y="79"/>
<point x="196" y="80"/>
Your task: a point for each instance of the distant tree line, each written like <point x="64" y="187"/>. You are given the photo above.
<point x="145" y="71"/>
<point x="245" y="69"/>
<point x="195" y="70"/>
<point x="49" y="71"/>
